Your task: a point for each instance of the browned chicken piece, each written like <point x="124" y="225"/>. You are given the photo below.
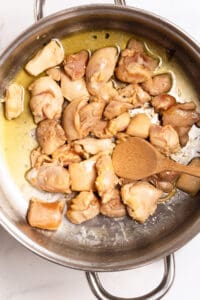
<point x="65" y="155"/>
<point x="106" y="179"/>
<point x="164" y="138"/>
<point x="181" y="117"/>
<point x="45" y="215"/>
<point x="73" y="89"/>
<point x="75" y="64"/>
<point x="38" y="158"/>
<point x="54" y="73"/>
<point x="50" y="56"/>
<point x="163" y="102"/>
<point x="50" y="136"/>
<point x="114" y="208"/>
<point x="134" y="94"/>
<point x="139" y="126"/>
<point x="49" y="178"/>
<point x="82" y="208"/>
<point x="46" y="99"/>
<point x="99" y="70"/>
<point x="94" y="146"/>
<point x="14" y="101"/>
<point x="90" y="114"/>
<point x="141" y="199"/>
<point x="158" y="84"/>
<point x="116" y="108"/>
<point x="119" y="123"/>
<point x="187" y="183"/>
<point x="83" y="175"/>
<point x="164" y="181"/>
<point x="135" y="66"/>
<point x="71" y="120"/>
<point x="136" y="45"/>
<point x="100" y="130"/>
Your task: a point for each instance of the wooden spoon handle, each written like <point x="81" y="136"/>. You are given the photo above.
<point x="174" y="166"/>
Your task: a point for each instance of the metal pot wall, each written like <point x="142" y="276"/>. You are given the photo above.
<point x="142" y="244"/>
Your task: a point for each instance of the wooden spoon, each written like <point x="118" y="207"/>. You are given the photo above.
<point x="136" y="159"/>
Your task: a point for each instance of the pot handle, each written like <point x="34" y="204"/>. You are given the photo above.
<point x="39" y="8"/>
<point x="168" y="278"/>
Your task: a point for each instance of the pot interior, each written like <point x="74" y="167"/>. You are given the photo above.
<point x="103" y="243"/>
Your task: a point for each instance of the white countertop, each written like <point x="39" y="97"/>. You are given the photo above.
<point x="25" y="276"/>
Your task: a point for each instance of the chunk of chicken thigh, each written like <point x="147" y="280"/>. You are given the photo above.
<point x="14" y="101"/>
<point x="45" y="215"/>
<point x="50" y="135"/>
<point x="141" y="199"/>
<point x="75" y="64"/>
<point x="82" y="208"/>
<point x="49" y="178"/>
<point x="116" y="108"/>
<point x="50" y="56"/>
<point x="94" y="146"/>
<point x="114" y="208"/>
<point x="65" y="155"/>
<point x="46" y="99"/>
<point x="158" y="84"/>
<point x="119" y="123"/>
<point x="163" y="102"/>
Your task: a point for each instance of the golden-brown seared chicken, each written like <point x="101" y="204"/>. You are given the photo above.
<point x="83" y="175"/>
<point x="50" y="178"/>
<point x="94" y="146"/>
<point x="65" y="155"/>
<point x="46" y="99"/>
<point x="73" y="89"/>
<point x="75" y="64"/>
<point x="50" y="56"/>
<point x="181" y="117"/>
<point x="119" y="123"/>
<point x="133" y="93"/>
<point x="116" y="108"/>
<point x="45" y="215"/>
<point x="106" y="179"/>
<point x="135" y="65"/>
<point x="158" y="84"/>
<point x="100" y="130"/>
<point x="139" y="126"/>
<point x="83" y="207"/>
<point x="38" y="158"/>
<point x="54" y="73"/>
<point x="163" y="102"/>
<point x="164" y="138"/>
<point x="99" y="70"/>
<point x="50" y="135"/>
<point x="14" y="101"/>
<point x="141" y="199"/>
<point x="114" y="208"/>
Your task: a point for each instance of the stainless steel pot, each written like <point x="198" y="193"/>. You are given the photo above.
<point x="103" y="244"/>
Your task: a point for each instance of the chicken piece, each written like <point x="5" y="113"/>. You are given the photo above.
<point x="54" y="73"/>
<point x="164" y="181"/>
<point x="136" y="45"/>
<point x="99" y="71"/>
<point x="134" y="94"/>
<point x="71" y="120"/>
<point x="100" y="130"/>
<point x="75" y="64"/>
<point x="14" y="101"/>
<point x="82" y="208"/>
<point x="46" y="100"/>
<point x="90" y="114"/>
<point x="163" y="102"/>
<point x="187" y="183"/>
<point x="116" y="108"/>
<point x="114" y="208"/>
<point x="94" y="146"/>
<point x="45" y="215"/>
<point x="181" y="117"/>
<point x="139" y="126"/>
<point x="119" y="124"/>
<point x="121" y="137"/>
<point x="135" y="66"/>
<point x="38" y="158"/>
<point x="141" y="199"/>
<point x="65" y="155"/>
<point x="49" y="178"/>
<point x="73" y="89"/>
<point x="164" y="138"/>
<point x="50" y="136"/>
<point x="83" y="175"/>
<point x="106" y="179"/>
<point x="50" y="56"/>
<point x="158" y="84"/>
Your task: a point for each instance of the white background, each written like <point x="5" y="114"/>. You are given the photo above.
<point x="23" y="275"/>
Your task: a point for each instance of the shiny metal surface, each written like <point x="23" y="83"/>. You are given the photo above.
<point x="102" y="244"/>
<point x="156" y="294"/>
